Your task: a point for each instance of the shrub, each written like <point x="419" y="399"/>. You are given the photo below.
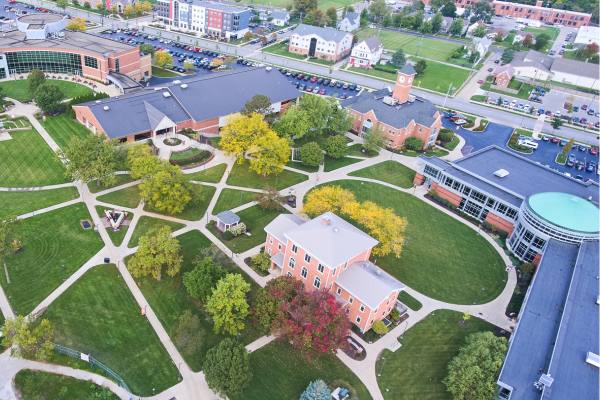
<point x="261" y="262"/>
<point x="380" y="328"/>
<point x="336" y="146"/>
<point x="238" y="229"/>
<point x="446" y="135"/>
<point x="311" y="154"/>
<point x="413" y="143"/>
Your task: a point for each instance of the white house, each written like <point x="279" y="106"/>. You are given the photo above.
<point x="280" y="17"/>
<point x="473" y="27"/>
<point x="350" y="22"/>
<point x="481" y="45"/>
<point x="325" y="43"/>
<point x="366" y="53"/>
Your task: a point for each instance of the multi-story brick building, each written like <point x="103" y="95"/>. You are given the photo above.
<point x="328" y="253"/>
<point x="205" y="17"/>
<point x="540" y="13"/>
<point x="397" y="113"/>
<point x="325" y="43"/>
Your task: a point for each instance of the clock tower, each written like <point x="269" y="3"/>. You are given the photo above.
<point x="404" y="81"/>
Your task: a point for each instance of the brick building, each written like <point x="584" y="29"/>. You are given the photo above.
<point x="328" y="253"/>
<point x="397" y="113"/>
<point x="540" y="13"/>
<point x="324" y="43"/>
<point x="503" y="75"/>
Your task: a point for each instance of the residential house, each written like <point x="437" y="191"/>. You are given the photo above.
<point x="503" y="74"/>
<point x="481" y="45"/>
<point x="366" y="53"/>
<point x="325" y="43"/>
<point x="350" y="22"/>
<point x="328" y="253"/>
<point x="397" y="113"/>
<point x="280" y="17"/>
<point x="473" y="27"/>
<point x="532" y="65"/>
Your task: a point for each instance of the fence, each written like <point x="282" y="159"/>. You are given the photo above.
<point x="93" y="362"/>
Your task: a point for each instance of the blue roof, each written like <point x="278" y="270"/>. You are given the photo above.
<point x="565" y="210"/>
<point x="558" y="325"/>
<point x="326" y="33"/>
<point x="228" y="217"/>
<point x="525" y="177"/>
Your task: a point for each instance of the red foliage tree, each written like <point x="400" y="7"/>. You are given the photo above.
<point x="591" y="50"/>
<point x="267" y="306"/>
<point x="314" y="323"/>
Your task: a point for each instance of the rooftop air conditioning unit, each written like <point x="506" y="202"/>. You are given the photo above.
<point x="390" y="101"/>
<point x="106" y="108"/>
<point x="411" y="98"/>
<point x="183" y="86"/>
<point x="501" y="173"/>
<point x="166" y="95"/>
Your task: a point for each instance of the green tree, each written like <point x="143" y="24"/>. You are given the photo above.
<point x="380" y="328"/>
<point x="472" y="374"/>
<point x="227" y="305"/>
<point x="316" y="17"/>
<point x="378" y="10"/>
<point x="257" y="104"/>
<point x="556" y="123"/>
<point x="227" y="368"/>
<point x="413" y="143"/>
<point x="200" y="281"/>
<point x="185" y="333"/>
<point x="316" y="390"/>
<point x="479" y="31"/>
<point x="373" y="141"/>
<point x="331" y="16"/>
<point x="91" y="158"/>
<point x="398" y="59"/>
<point x="9" y="237"/>
<point x="261" y="262"/>
<point x="302" y="7"/>
<point x="147" y="49"/>
<point x="507" y="56"/>
<point x="456" y="27"/>
<point x="426" y="27"/>
<point x="336" y="146"/>
<point x="417" y="21"/>
<point x="28" y="340"/>
<point x="188" y="65"/>
<point x="35" y="79"/>
<point x="269" y="199"/>
<point x="49" y="98"/>
<point x="269" y="154"/>
<point x="157" y="251"/>
<point x="162" y="58"/>
<point x="141" y="162"/>
<point x="449" y="10"/>
<point x="541" y="41"/>
<point x="420" y="67"/>
<point x="62" y="3"/>
<point x="293" y="124"/>
<point x="311" y="154"/>
<point x="166" y="189"/>
<point x="446" y="135"/>
<point x="436" y="22"/>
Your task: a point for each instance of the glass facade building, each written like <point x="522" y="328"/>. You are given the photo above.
<point x="47" y="61"/>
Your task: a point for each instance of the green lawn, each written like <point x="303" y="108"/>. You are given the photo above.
<point x="169" y="299"/>
<point x="190" y="156"/>
<point x="128" y="197"/>
<point x="301" y="166"/>
<point x="442" y="257"/>
<point x="331" y="164"/>
<point x="242" y="176"/>
<point x="163" y="73"/>
<point x="417" y="369"/>
<point x="116" y="237"/>
<point x="17" y="203"/>
<point x="232" y="198"/>
<point x="98" y="315"/>
<point x="280" y="373"/>
<point x="412" y="45"/>
<point x="26" y="160"/>
<point x="357" y="150"/>
<point x="195" y="209"/>
<point x="146" y="224"/>
<point x="38" y="385"/>
<point x="551" y="31"/>
<point x="255" y="219"/>
<point x="388" y="171"/>
<point x="410" y="301"/>
<point x="451" y="145"/>
<point x="54" y="246"/>
<point x="281" y="49"/>
<point x="63" y="128"/>
<point x="210" y="175"/>
<point x="120" y="179"/>
<point x="19" y="90"/>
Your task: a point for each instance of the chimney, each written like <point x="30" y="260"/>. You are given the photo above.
<point x="404" y="80"/>
<point x="539" y="3"/>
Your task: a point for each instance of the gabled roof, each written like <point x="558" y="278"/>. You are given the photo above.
<point x="399" y="116"/>
<point x="575" y="67"/>
<point x="373" y="43"/>
<point x="280" y="14"/>
<point x="326" y="33"/>
<point x="507" y="68"/>
<point x="154" y="116"/>
<point x="330" y="239"/>
<point x="368" y="283"/>
<point x="352" y="17"/>
<point x="532" y="58"/>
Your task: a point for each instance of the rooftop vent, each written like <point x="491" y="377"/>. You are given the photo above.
<point x="326" y="221"/>
<point x="593" y="359"/>
<point x="501" y="173"/>
<point x="106" y="108"/>
<point x="390" y="101"/>
<point x="183" y="86"/>
<point x="336" y="229"/>
<point x="545" y="380"/>
<point x="166" y="94"/>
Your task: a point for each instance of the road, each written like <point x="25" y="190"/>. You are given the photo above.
<point x="498" y="116"/>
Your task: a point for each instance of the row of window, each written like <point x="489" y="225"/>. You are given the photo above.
<point x="550" y="231"/>
<point x="47" y="61"/>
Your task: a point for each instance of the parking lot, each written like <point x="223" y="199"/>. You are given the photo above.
<point x="545" y="154"/>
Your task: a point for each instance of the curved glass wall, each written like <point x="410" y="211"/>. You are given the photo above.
<point x="48" y="61"/>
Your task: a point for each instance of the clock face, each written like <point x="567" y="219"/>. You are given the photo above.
<point x="401" y="79"/>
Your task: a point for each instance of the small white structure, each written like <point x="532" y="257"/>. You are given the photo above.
<point x="366" y="53"/>
<point x="226" y="220"/>
<point x="350" y="22"/>
<point x="587" y="35"/>
<point x="280" y="18"/>
<point x="481" y="45"/>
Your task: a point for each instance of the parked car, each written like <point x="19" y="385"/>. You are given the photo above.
<point x="563" y="142"/>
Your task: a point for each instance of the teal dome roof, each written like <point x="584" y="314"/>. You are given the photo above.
<point x="566" y="211"/>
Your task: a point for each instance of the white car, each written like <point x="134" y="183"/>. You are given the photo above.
<point x="460" y="122"/>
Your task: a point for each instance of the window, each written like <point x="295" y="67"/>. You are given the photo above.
<point x="279" y="246"/>
<point x="292" y="262"/>
<point x="448" y="182"/>
<point x="358" y="320"/>
<point x="362" y="308"/>
<point x="117" y="65"/>
<point x="306" y="258"/>
<point x="350" y="300"/>
<point x="289" y="274"/>
<point x="47" y="61"/>
<point x="294" y="248"/>
<point x="317" y="282"/>
<point x="320" y="268"/>
<point x="304" y="272"/>
<point x="334" y="271"/>
<point x="339" y="291"/>
<point x="270" y="240"/>
<point x="90" y="62"/>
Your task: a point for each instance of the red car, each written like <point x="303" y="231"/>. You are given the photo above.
<point x="554" y="140"/>
<point x="594" y="151"/>
<point x="313" y="79"/>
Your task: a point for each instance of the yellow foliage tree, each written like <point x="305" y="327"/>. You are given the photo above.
<point x="162" y="58"/>
<point x="241" y="133"/>
<point x="141" y="161"/>
<point x="146" y="6"/>
<point x="76" y="24"/>
<point x="328" y="198"/>
<point x="269" y="154"/>
<point x="129" y="10"/>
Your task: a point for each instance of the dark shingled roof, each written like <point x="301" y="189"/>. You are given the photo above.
<point x="208" y="97"/>
<point x="408" y="69"/>
<point x="326" y="33"/>
<point x="399" y="116"/>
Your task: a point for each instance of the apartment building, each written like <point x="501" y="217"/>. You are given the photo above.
<point x="214" y="19"/>
<point x="325" y="43"/>
<point x="538" y="12"/>
<point x="328" y="253"/>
